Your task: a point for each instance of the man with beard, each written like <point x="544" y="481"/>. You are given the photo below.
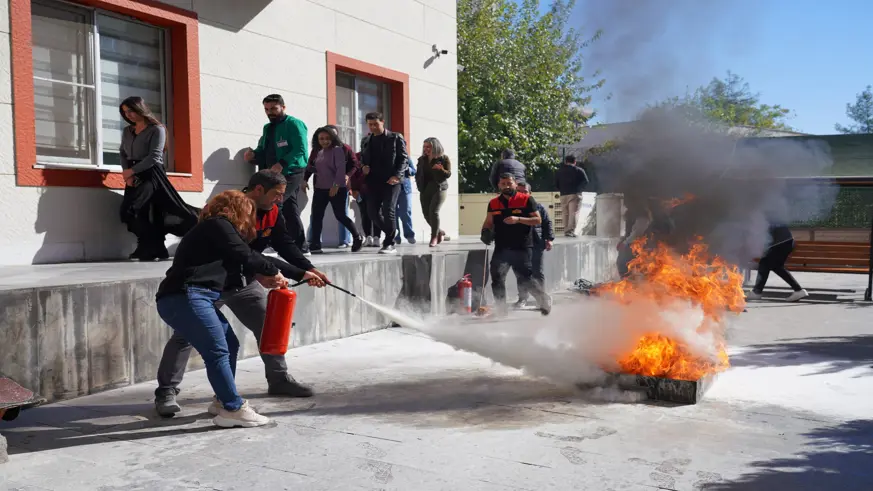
<point x="509" y="224"/>
<point x="247" y="299"/>
<point x="384" y="162"/>
<point x="283" y="148"/>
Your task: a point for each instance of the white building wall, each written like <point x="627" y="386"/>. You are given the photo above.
<point x="247" y="50"/>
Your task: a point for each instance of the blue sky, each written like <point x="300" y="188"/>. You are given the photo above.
<point x="810" y="56"/>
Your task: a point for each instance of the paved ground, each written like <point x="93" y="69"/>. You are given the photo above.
<point x="397" y="411"/>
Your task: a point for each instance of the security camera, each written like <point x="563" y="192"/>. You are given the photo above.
<point x="461" y="68"/>
<point x="444" y="52"/>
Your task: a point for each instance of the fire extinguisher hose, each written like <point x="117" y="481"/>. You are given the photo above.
<point x="328" y="284"/>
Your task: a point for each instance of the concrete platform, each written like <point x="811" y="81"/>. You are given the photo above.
<point x="76" y="329"/>
<point x="395" y="410"/>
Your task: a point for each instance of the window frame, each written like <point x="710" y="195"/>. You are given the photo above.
<point x="398" y="82"/>
<point x="94" y="58"/>
<point x="386" y="97"/>
<point x="183" y="118"/>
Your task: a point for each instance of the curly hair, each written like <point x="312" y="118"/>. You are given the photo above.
<point x="237" y="208"/>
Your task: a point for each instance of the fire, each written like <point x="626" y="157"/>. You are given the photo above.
<point x="662" y="276"/>
<point x="673" y="203"/>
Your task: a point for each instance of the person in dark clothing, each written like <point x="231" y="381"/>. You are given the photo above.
<point x="213" y="252"/>
<point x="283" y="148"/>
<point x="509" y="224"/>
<point x="384" y="162"/>
<point x="781" y="246"/>
<point x="643" y="217"/>
<point x="151" y="207"/>
<point x="507" y="165"/>
<point x="358" y="190"/>
<point x="571" y="180"/>
<point x="543" y="236"/>
<point x="331" y="188"/>
<point x="246" y="298"/>
<point x="432" y="180"/>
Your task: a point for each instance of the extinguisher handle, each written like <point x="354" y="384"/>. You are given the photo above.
<point x="296" y="284"/>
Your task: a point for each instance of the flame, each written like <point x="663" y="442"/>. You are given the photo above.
<point x="660" y="275"/>
<point x="674" y="202"/>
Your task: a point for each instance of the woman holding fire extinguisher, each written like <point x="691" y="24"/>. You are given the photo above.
<point x="186" y="297"/>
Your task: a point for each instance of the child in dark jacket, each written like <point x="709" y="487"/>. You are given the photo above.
<point x="544" y="235"/>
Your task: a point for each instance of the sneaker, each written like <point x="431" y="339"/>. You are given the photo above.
<point x="316" y="249"/>
<point x="753" y="295"/>
<point x="797" y="296"/>
<point x="165" y="403"/>
<point x="520" y="304"/>
<point x="372" y="242"/>
<point x="440" y="237"/>
<point x="244" y="417"/>
<point x="411" y="240"/>
<point x="342" y="246"/>
<point x="357" y="244"/>
<point x="289" y="387"/>
<point x="388" y="249"/>
<point x="397" y="240"/>
<point x="546" y="306"/>
<point x="214" y="408"/>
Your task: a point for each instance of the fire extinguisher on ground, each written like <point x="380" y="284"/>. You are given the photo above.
<point x="276" y="335"/>
<point x="465" y="293"/>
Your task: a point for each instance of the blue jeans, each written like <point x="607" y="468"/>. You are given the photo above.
<point x="194" y="315"/>
<point x="404" y="216"/>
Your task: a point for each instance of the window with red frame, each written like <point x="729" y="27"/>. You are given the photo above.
<point x="85" y="62"/>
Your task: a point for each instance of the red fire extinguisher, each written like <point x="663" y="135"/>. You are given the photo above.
<point x="465" y="293"/>
<point x="276" y="335"/>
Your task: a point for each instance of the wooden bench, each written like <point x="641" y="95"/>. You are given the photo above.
<point x="829" y="257"/>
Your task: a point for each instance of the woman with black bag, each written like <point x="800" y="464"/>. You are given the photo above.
<point x="151" y="207"/>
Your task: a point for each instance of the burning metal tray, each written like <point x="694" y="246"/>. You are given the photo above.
<point x="662" y="389"/>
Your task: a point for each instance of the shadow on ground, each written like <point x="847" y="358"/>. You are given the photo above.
<point x="481" y="402"/>
<point x="59" y="426"/>
<point x="836" y="457"/>
<point x="840" y="353"/>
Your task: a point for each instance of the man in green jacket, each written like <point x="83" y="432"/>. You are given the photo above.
<point x="283" y="147"/>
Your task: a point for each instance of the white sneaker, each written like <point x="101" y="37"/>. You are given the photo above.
<point x="368" y="242"/>
<point x="214" y="408"/>
<point x="245" y="417"/>
<point x="797" y="296"/>
<point x="751" y="295"/>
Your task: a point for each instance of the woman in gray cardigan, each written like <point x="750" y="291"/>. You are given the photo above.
<point x="151" y="207"/>
<point x="432" y="180"/>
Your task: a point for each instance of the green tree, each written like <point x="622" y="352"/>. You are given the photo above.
<point x="520" y="85"/>
<point x="731" y="102"/>
<point x="861" y="112"/>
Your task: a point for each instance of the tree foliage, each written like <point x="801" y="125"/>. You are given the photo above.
<point x="520" y="86"/>
<point x="731" y="102"/>
<point x="861" y="112"/>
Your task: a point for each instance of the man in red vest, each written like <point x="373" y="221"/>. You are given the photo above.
<point x="247" y="299"/>
<point x="509" y="223"/>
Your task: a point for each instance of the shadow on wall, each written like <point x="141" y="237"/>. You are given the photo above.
<point x="227" y="172"/>
<point x="80" y="225"/>
<point x="230" y="15"/>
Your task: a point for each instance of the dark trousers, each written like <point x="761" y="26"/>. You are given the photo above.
<point x="521" y="263"/>
<point x="432" y="199"/>
<point x="320" y="199"/>
<point x="291" y="208"/>
<point x="193" y="315"/>
<point x="370" y="228"/>
<point x="536" y="270"/>
<point x="774" y="260"/>
<point x="249" y="305"/>
<point x="382" y="207"/>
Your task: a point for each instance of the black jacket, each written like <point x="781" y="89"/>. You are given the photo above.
<point x="570" y="180"/>
<point x="779" y="234"/>
<point x="211" y="252"/>
<point x="392" y="161"/>
<point x="273" y="232"/>
<point x="507" y="166"/>
<point x="544" y="231"/>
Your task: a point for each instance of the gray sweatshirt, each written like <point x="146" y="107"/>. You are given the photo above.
<point x="146" y="148"/>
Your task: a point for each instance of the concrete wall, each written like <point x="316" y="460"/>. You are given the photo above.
<point x="73" y="340"/>
<point x="247" y="50"/>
